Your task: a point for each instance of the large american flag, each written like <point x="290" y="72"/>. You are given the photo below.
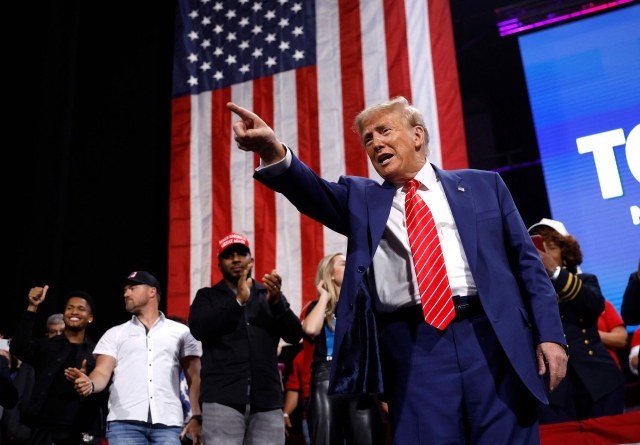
<point x="307" y="68"/>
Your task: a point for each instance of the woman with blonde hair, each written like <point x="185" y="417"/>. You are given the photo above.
<point x="337" y="418"/>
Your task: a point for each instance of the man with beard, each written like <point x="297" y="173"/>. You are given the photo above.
<point x="145" y="356"/>
<point x="240" y="323"/>
<point x="55" y="412"/>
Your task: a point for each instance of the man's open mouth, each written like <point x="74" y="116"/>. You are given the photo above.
<point x="384" y="158"/>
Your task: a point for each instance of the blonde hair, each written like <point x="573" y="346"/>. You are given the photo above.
<point x="411" y="115"/>
<point x="324" y="272"/>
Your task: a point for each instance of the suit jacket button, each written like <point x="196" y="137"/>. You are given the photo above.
<point x="350" y="305"/>
<point x="584" y="331"/>
<point x="586" y="342"/>
<point x="590" y="352"/>
<point x="361" y="268"/>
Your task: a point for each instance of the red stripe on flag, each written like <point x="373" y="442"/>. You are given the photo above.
<point x="178" y="284"/>
<point x="311" y="232"/>
<point x="264" y="249"/>
<point x="352" y="85"/>
<point x="395" y="30"/>
<point x="445" y="72"/>
<point x="221" y="120"/>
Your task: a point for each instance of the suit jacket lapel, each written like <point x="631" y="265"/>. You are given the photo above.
<point x="460" y="197"/>
<point x="379" y="199"/>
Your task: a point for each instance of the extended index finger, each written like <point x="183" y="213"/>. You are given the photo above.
<point x="243" y="113"/>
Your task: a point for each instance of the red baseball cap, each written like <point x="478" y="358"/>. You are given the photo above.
<point x="230" y="239"/>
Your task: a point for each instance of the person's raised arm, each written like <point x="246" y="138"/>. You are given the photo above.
<point x="314" y="321"/>
<point x="22" y="345"/>
<point x="98" y="379"/>
<point x="253" y="134"/>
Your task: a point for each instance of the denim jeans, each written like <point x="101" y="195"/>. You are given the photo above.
<point x="133" y="432"/>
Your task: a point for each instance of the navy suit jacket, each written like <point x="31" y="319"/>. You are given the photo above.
<point x="512" y="283"/>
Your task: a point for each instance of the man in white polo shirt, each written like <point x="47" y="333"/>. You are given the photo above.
<point x="145" y="356"/>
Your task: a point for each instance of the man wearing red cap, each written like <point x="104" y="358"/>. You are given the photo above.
<point x="240" y="323"/>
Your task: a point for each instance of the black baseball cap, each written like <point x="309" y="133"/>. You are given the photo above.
<point x="143" y="277"/>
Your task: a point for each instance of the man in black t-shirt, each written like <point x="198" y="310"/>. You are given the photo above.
<point x="240" y="323"/>
<point x="55" y="411"/>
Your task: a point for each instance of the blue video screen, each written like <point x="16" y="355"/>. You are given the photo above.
<point x="583" y="80"/>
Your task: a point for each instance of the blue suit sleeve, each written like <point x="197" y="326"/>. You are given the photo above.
<point x="313" y="196"/>
<point x="533" y="280"/>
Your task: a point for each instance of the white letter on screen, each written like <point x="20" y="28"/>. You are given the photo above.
<point x="635" y="215"/>
<point x="601" y="145"/>
<point x="633" y="152"/>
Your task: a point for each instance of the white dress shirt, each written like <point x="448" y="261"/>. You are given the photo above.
<point x="393" y="274"/>
<point x="146" y="378"/>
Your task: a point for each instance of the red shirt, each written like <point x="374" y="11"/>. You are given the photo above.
<point x="608" y="320"/>
<point x="300" y="377"/>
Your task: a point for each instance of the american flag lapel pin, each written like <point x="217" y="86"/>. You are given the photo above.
<point x="461" y="189"/>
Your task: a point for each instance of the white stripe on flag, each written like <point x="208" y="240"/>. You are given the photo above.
<point x="288" y="244"/>
<point x="242" y="217"/>
<point x="330" y="105"/>
<point x="374" y="59"/>
<point x="421" y="68"/>
<point x="200" y="179"/>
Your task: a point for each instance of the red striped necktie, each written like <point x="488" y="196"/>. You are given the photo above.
<point x="431" y="273"/>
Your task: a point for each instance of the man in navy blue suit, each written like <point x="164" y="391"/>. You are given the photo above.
<point x="473" y="378"/>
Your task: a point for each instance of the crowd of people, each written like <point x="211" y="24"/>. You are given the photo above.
<point x="442" y="323"/>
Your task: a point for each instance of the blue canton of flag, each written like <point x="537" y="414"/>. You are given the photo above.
<point x="221" y="43"/>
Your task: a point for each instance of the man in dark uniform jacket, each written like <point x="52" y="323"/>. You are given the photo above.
<point x="240" y="323"/>
<point x="55" y="411"/>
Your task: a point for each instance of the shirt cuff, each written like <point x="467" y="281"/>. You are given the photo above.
<point x="276" y="168"/>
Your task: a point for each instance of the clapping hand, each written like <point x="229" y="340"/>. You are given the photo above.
<point x="244" y="285"/>
<point x="273" y="283"/>
<point x="80" y="379"/>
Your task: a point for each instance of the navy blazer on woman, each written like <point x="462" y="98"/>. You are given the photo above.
<point x="580" y="303"/>
<point x="512" y="283"/>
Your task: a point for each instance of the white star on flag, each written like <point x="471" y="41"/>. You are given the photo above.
<point x="244" y="45"/>
<point x="205" y="66"/>
<point x="218" y="7"/>
<point x="257" y="52"/>
<point x="297" y="31"/>
<point x="231" y="13"/>
<point x="270" y="61"/>
<point x="298" y="55"/>
<point x="206" y="43"/>
<point x="283" y="45"/>
<point x="270" y="38"/>
<point x="193" y="81"/>
<point x="193" y="14"/>
<point x="192" y="58"/>
<point x="192" y="35"/>
<point x="297" y="7"/>
<point x="270" y="15"/>
<point x="244" y="69"/>
<point x="218" y="52"/>
<point x="256" y="7"/>
<point x="230" y="59"/>
<point x="218" y="75"/>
